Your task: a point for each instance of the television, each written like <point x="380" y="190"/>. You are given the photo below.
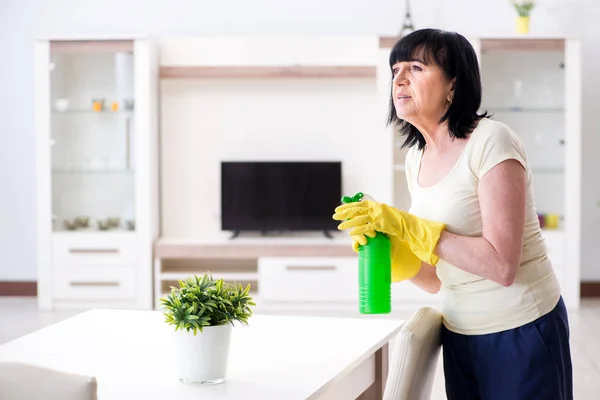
<point x="264" y="196"/>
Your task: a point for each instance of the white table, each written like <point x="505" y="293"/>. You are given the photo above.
<point x="275" y="357"/>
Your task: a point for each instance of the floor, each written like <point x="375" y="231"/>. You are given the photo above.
<point x="19" y="316"/>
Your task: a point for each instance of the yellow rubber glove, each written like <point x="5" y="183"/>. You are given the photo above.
<point x="405" y="264"/>
<point x="364" y="216"/>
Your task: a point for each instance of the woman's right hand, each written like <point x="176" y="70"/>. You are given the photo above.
<point x="367" y="216"/>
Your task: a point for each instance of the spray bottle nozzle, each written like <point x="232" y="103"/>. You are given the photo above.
<point x="351" y="199"/>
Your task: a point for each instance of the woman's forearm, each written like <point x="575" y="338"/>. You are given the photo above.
<point x="427" y="279"/>
<point x="478" y="256"/>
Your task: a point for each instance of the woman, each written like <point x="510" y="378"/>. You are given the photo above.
<point x="472" y="230"/>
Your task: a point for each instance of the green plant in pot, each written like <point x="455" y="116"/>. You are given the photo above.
<point x="523" y="9"/>
<point x="203" y="311"/>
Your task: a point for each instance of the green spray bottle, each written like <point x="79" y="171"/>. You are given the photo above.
<point x="374" y="270"/>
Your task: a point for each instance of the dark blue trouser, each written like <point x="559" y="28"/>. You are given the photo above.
<point x="531" y="362"/>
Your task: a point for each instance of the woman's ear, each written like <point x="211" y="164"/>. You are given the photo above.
<point x="450" y="95"/>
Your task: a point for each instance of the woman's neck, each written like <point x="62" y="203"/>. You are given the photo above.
<point x="437" y="136"/>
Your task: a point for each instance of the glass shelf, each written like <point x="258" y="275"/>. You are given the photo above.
<point x="93" y="171"/>
<point x="525" y="110"/>
<point x="548" y="170"/>
<point x="92" y="112"/>
<point x="60" y="229"/>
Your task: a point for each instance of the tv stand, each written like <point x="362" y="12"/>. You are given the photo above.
<point x="237" y="233"/>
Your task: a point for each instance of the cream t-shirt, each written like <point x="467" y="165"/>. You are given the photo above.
<point x="472" y="304"/>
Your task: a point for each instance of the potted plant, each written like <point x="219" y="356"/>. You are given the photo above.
<point x="203" y="311"/>
<point x="523" y="9"/>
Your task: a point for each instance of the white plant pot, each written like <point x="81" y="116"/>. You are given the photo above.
<point x="203" y="358"/>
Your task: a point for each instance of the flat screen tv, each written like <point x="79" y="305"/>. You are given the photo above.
<point x="279" y="196"/>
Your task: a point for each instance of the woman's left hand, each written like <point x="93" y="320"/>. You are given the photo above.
<point x="368" y="216"/>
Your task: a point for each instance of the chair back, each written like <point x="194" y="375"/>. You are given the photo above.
<point x="414" y="357"/>
<point x="24" y="381"/>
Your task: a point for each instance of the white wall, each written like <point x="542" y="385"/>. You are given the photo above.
<point x="21" y="21"/>
<point x="17" y="150"/>
<point x="261" y="120"/>
<point x="206" y="121"/>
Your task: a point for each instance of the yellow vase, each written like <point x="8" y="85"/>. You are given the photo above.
<point x="522" y="25"/>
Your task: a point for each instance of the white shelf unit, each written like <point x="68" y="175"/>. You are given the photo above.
<point x="97" y="171"/>
<point x="533" y="84"/>
<point x="287" y="276"/>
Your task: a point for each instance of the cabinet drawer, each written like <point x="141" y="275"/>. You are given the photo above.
<point x="308" y="279"/>
<point x="94" y="249"/>
<point x="70" y="283"/>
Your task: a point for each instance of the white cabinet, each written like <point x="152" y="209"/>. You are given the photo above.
<point x="324" y="285"/>
<point x="94" y="248"/>
<point x="308" y="279"/>
<point x="97" y="171"/>
<point x="533" y="84"/>
<point x="115" y="284"/>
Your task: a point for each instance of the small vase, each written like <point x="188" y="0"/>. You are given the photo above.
<point x="203" y="359"/>
<point x="522" y="25"/>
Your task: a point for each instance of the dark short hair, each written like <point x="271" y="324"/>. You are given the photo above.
<point x="457" y="58"/>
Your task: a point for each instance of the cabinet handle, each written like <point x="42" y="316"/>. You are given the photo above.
<point x="92" y="251"/>
<point x="107" y="283"/>
<point x="311" y="267"/>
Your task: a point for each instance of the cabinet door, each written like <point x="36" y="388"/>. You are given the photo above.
<point x="524" y="87"/>
<point x="534" y="86"/>
<point x="92" y="125"/>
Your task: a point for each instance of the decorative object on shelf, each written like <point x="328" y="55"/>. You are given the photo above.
<point x="103" y="225"/>
<point x="541" y="220"/>
<point x="70" y="225"/>
<point x="203" y="311"/>
<point x="129" y="104"/>
<point x="109" y="223"/>
<point x="407" y="26"/>
<point x="113" y="222"/>
<point x="549" y="220"/>
<point x="61" y="105"/>
<point x="523" y="9"/>
<point x="97" y="104"/>
<point x="82" y="221"/>
<point x="131" y="225"/>
<point x="114" y="106"/>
